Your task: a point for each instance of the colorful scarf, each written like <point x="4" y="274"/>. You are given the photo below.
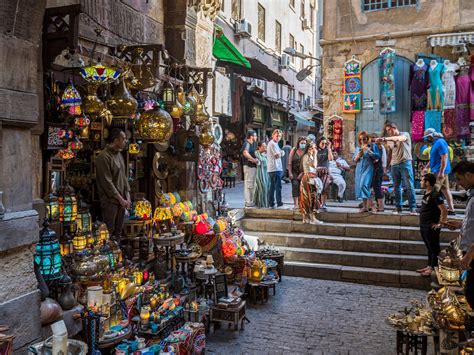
<point x="433" y="120"/>
<point x="417" y="125"/>
<point x="387" y="82"/>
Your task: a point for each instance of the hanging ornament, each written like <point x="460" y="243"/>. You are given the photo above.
<point x="206" y="139"/>
<point x="122" y="103"/>
<point x="92" y="105"/>
<point x="75" y="145"/>
<point x="133" y="148"/>
<point x="191" y="103"/>
<point x="200" y="116"/>
<point x="155" y="125"/>
<point x="71" y="100"/>
<point x="99" y="74"/>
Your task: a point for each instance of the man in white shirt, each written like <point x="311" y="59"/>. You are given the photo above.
<point x="336" y="167"/>
<point x="275" y="169"/>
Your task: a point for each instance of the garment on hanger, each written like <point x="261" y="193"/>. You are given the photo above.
<point x="464" y="98"/>
<point x="435" y="91"/>
<point x="449" y="124"/>
<point x="433" y="120"/>
<point x="449" y="85"/>
<point x="417" y="125"/>
<point x="387" y="82"/>
<point x="471" y="75"/>
<point x="418" y="86"/>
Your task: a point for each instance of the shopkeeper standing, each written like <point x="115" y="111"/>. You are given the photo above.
<point x="112" y="183"/>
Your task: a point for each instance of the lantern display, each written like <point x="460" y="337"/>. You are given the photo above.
<point x="48" y="254"/>
<point x="162" y="214"/>
<point x="95" y="296"/>
<point x="191" y="103"/>
<point x="79" y="242"/>
<point x="65" y="245"/>
<point x="67" y="204"/>
<point x="177" y="210"/>
<point x="122" y="103"/>
<point x="228" y="248"/>
<point x="71" y="100"/>
<point x="52" y="206"/>
<point x="142" y="209"/>
<point x="102" y="234"/>
<point x="180" y="95"/>
<point x="84" y="218"/>
<point x="117" y="252"/>
<point x="155" y="125"/>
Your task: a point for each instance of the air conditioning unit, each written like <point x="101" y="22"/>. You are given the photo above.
<point x="243" y="28"/>
<point x="285" y="61"/>
<point x="305" y="24"/>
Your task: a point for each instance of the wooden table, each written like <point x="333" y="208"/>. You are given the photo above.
<point x="232" y="315"/>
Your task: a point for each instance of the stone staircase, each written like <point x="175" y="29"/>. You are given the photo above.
<point x="382" y="249"/>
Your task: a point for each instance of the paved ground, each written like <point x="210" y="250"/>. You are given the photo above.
<point x="235" y="195"/>
<point x="318" y="317"/>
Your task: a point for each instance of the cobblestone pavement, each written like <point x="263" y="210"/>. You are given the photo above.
<point x="310" y="316"/>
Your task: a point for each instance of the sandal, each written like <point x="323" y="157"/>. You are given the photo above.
<point x="362" y="210"/>
<point x="427" y="272"/>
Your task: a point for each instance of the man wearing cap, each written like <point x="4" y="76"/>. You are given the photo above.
<point x="440" y="164"/>
<point x="275" y="169"/>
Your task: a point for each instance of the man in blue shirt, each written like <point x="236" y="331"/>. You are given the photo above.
<point x="440" y="164"/>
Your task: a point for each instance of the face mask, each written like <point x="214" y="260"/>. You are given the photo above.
<point x="302" y="146"/>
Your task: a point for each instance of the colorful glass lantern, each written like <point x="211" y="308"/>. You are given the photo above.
<point x="122" y="103"/>
<point x="48" y="254"/>
<point x="71" y="100"/>
<point x="52" y="206"/>
<point x="84" y="218"/>
<point x="101" y="233"/>
<point x="79" y="242"/>
<point x="228" y="248"/>
<point x="257" y="271"/>
<point x="162" y="214"/>
<point x="168" y="96"/>
<point x="155" y="125"/>
<point x="138" y="278"/>
<point x="67" y="204"/>
<point x="107" y="251"/>
<point x="133" y="148"/>
<point x="142" y="209"/>
<point x="202" y="227"/>
<point x="100" y="74"/>
<point x="65" y="245"/>
<point x="201" y="116"/>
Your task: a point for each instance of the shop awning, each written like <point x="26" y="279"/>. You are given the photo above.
<point x="451" y="39"/>
<point x="225" y="51"/>
<point x="304" y="117"/>
<point x="258" y="70"/>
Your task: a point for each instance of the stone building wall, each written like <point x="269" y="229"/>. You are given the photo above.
<point x="348" y="31"/>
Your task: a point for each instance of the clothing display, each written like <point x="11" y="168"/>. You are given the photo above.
<point x="449" y="85"/>
<point x="387" y="82"/>
<point x="435" y="91"/>
<point x="464" y="100"/>
<point x="418" y="83"/>
<point x="450" y="125"/>
<point x="417" y="125"/>
<point x="433" y="120"/>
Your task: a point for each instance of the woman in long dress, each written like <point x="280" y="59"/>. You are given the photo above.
<point x="294" y="169"/>
<point x="262" y="182"/>
<point x="308" y="192"/>
<point x="365" y="156"/>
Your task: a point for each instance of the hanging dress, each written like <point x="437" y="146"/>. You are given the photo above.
<point x="463" y="101"/>
<point x="387" y="82"/>
<point x="262" y="182"/>
<point x="418" y="86"/>
<point x="449" y="85"/>
<point x="435" y="92"/>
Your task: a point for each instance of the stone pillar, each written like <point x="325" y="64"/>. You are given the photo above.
<point x="20" y="39"/>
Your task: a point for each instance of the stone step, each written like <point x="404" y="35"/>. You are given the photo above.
<point x="369" y="245"/>
<point x="342" y="215"/>
<point x="372" y="231"/>
<point x="380" y="277"/>
<point x="357" y="259"/>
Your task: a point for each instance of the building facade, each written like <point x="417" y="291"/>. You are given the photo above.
<point x="363" y="29"/>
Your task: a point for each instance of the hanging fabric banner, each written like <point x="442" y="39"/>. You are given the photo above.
<point x="352" y="88"/>
<point x="387" y="81"/>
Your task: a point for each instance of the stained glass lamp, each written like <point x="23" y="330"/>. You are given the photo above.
<point x="71" y="100"/>
<point x="48" y="254"/>
<point x="79" y="242"/>
<point x="84" y="218"/>
<point x="52" y="206"/>
<point x="142" y="209"/>
<point x="100" y="74"/>
<point x="65" y="245"/>
<point x="67" y="204"/>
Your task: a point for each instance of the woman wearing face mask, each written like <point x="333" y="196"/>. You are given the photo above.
<point x="365" y="156"/>
<point x="262" y="182"/>
<point x="294" y="169"/>
<point x="308" y="192"/>
<point x="324" y="156"/>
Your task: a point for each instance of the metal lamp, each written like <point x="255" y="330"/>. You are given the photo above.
<point x="48" y="254"/>
<point x="67" y="204"/>
<point x="52" y="206"/>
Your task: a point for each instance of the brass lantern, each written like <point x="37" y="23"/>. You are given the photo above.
<point x="79" y="242"/>
<point x="155" y="125"/>
<point x="122" y="103"/>
<point x="52" y="206"/>
<point x="168" y="96"/>
<point x="92" y="105"/>
<point x="66" y="246"/>
<point x="100" y="232"/>
<point x="180" y="95"/>
<point x="84" y="218"/>
<point x="206" y="138"/>
<point x="200" y="116"/>
<point x="67" y="204"/>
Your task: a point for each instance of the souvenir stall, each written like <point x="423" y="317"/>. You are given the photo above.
<point x="444" y="317"/>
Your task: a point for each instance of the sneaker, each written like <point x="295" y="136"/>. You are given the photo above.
<point x="451" y="213"/>
<point x="413" y="212"/>
<point x="339" y="199"/>
<point x="397" y="211"/>
<point x="316" y="221"/>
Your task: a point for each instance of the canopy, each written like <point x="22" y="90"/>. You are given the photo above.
<point x="304" y="117"/>
<point x="224" y="50"/>
<point x="451" y="39"/>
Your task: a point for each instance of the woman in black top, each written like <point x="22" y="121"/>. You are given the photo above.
<point x="324" y="156"/>
<point x="433" y="212"/>
<point x="294" y="169"/>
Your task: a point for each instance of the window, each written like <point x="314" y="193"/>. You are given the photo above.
<point x="261" y="22"/>
<point x="236" y="10"/>
<point x="301" y="99"/>
<point x="371" y="5"/>
<point x="291" y="97"/>
<point x="278" y="36"/>
<point x="292" y="45"/>
<point x="292" y="3"/>
<point x="302" y="51"/>
<point x="311" y="15"/>
<point x="302" y="14"/>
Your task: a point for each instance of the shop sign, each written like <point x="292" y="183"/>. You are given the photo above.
<point x="368" y="104"/>
<point x="258" y="113"/>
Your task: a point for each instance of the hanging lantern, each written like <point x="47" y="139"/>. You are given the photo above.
<point x="67" y="204"/>
<point x="191" y="103"/>
<point x="75" y="145"/>
<point x="48" y="254"/>
<point x="122" y="103"/>
<point x="71" y="100"/>
<point x="168" y="96"/>
<point x="52" y="206"/>
<point x="79" y="242"/>
<point x="177" y="110"/>
<point x="206" y="138"/>
<point x="133" y="148"/>
<point x="99" y="74"/>
<point x="65" y="245"/>
<point x="142" y="209"/>
<point x="155" y="125"/>
<point x="201" y="116"/>
<point x="180" y="95"/>
<point x="92" y="105"/>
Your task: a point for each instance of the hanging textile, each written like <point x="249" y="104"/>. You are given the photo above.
<point x="387" y="81"/>
<point x="435" y="92"/>
<point x="337" y="134"/>
<point x="449" y="124"/>
<point x="433" y="120"/>
<point x="418" y="86"/>
<point x="352" y="88"/>
<point x="471" y="93"/>
<point x="449" y="85"/>
<point x="464" y="93"/>
<point x="417" y="125"/>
